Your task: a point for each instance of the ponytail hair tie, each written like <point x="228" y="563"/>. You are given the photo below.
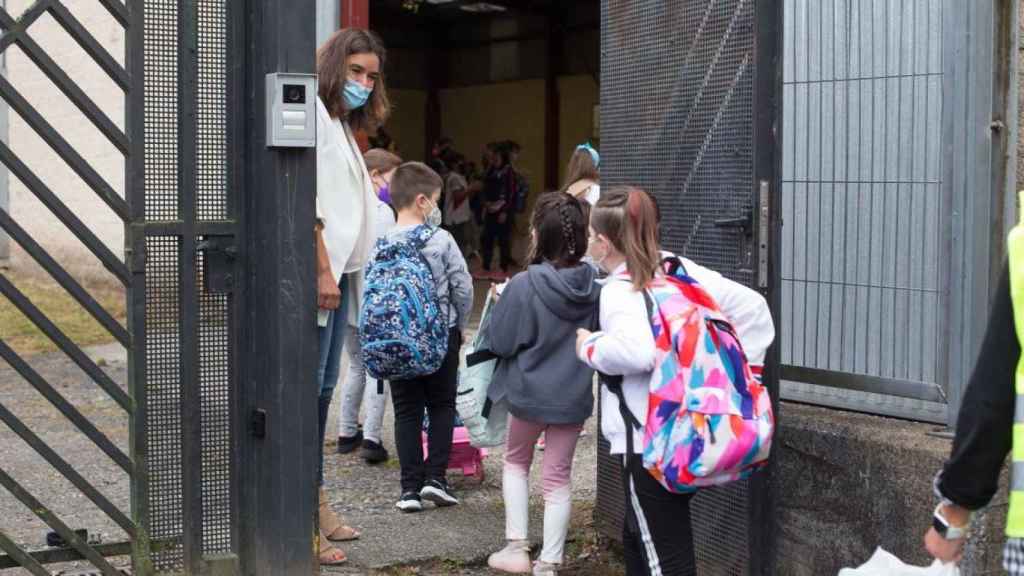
<point x="590" y="150"/>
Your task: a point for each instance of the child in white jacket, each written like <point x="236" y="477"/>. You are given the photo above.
<point x="657" y="534"/>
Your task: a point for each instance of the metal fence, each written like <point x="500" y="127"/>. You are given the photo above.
<point x="688" y="98"/>
<point x="871" y="249"/>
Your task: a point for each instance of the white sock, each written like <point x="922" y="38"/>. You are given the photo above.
<point x="516" y="489"/>
<point x="557" y="513"/>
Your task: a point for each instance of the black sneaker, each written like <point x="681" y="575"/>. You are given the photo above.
<point x="410" y="502"/>
<point x="373" y="452"/>
<point x="438" y="492"/>
<point x="347" y="444"/>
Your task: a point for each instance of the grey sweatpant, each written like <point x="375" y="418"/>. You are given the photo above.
<point x="359" y="386"/>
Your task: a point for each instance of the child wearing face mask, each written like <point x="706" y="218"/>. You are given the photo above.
<point x="415" y="191"/>
<point x="357" y="386"/>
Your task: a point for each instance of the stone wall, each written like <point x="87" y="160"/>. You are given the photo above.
<point x="847" y="483"/>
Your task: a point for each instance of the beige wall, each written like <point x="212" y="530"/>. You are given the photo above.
<point x="476" y="115"/>
<point x="73" y="126"/>
<point x="577" y="95"/>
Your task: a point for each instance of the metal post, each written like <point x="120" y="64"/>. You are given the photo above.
<point x="279" y="357"/>
<point x="328" y="15"/>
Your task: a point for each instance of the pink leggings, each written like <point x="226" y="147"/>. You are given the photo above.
<point x="559" y="448"/>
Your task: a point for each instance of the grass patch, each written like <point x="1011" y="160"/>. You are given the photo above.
<point x="20" y="334"/>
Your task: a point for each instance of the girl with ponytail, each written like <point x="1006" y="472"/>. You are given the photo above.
<point x="657" y="533"/>
<point x="547" y="390"/>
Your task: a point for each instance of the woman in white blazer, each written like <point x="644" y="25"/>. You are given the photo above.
<point x="351" y="97"/>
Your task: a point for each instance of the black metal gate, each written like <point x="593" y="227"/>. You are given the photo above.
<point x="689" y="100"/>
<point x="218" y="266"/>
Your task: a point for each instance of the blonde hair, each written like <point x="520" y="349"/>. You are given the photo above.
<point x="628" y="217"/>
<point x="381" y="160"/>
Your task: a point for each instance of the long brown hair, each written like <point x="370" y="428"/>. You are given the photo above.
<point x="627" y="216"/>
<point x="332" y="70"/>
<point x="560" y="230"/>
<point x="581" y="167"/>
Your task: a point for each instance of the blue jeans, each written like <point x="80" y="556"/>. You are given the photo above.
<point x="332" y="336"/>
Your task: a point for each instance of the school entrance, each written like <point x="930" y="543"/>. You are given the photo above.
<point x="681" y="98"/>
<point x="138" y="135"/>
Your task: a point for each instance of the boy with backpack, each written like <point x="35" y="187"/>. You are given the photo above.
<point x="417" y="301"/>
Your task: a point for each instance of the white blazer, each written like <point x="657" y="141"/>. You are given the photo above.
<point x="345" y="199"/>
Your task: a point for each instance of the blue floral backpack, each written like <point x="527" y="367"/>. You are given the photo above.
<point x="402" y="329"/>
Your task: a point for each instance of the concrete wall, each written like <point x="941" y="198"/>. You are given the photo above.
<point x="847" y="483"/>
<point x="74" y="127"/>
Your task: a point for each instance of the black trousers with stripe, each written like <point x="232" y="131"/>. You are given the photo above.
<point x="657" y="535"/>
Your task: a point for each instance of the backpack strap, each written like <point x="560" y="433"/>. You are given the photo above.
<point x="672" y="264"/>
<point x="479" y="357"/>
<point x="420" y="235"/>
<point x="614" y="384"/>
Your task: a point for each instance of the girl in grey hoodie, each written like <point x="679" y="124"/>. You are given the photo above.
<point x="532" y="330"/>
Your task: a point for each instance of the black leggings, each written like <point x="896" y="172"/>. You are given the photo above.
<point x="657" y="535"/>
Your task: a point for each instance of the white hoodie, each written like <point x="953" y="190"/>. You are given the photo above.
<point x="625" y="345"/>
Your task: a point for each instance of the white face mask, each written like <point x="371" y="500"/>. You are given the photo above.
<point x="433" y="217"/>
<point x="597" y="257"/>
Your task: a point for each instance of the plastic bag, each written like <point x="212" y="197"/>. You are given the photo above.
<point x="883" y="563"/>
<point x="471" y="398"/>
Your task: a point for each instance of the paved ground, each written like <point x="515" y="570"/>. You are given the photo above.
<point x="452" y="541"/>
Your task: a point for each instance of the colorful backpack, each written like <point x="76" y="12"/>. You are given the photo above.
<point x="709" y="420"/>
<point x="402" y="329"/>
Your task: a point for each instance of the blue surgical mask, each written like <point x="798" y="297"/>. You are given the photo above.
<point x="355" y="94"/>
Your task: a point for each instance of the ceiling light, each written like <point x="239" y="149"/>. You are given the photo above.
<point x="440" y="1"/>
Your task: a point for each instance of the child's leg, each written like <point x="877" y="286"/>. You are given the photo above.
<point x="352" y="389"/>
<point x="375" y="404"/>
<point x="440" y="390"/>
<point x="409" y="397"/>
<point x="487" y="239"/>
<point x="657" y="532"/>
<point x="519" y="442"/>
<point x="560" y="446"/>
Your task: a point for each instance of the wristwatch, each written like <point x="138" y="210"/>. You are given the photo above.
<point x="947" y="530"/>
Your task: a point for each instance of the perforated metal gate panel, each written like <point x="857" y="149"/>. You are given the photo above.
<point x="189" y="388"/>
<point x="678" y="113"/>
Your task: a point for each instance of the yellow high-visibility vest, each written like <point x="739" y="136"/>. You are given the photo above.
<point x="1015" y="250"/>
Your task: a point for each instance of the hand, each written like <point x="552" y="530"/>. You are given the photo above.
<point x="581" y="336"/>
<point x="944" y="550"/>
<point x="494" y="292"/>
<point x="502" y="217"/>
<point x="328" y="293"/>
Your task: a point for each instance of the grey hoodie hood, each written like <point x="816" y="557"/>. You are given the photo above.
<point x="569" y="293"/>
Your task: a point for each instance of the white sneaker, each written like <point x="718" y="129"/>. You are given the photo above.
<point x="514" y="558"/>
<point x="410" y="502"/>
<point x="541" y="568"/>
<point x="439" y="493"/>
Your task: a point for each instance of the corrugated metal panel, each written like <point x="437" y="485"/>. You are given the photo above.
<point x="862" y="271"/>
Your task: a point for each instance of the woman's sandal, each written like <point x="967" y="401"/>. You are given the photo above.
<point x="342" y="534"/>
<point x="331" y="526"/>
<point x="331" y="556"/>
